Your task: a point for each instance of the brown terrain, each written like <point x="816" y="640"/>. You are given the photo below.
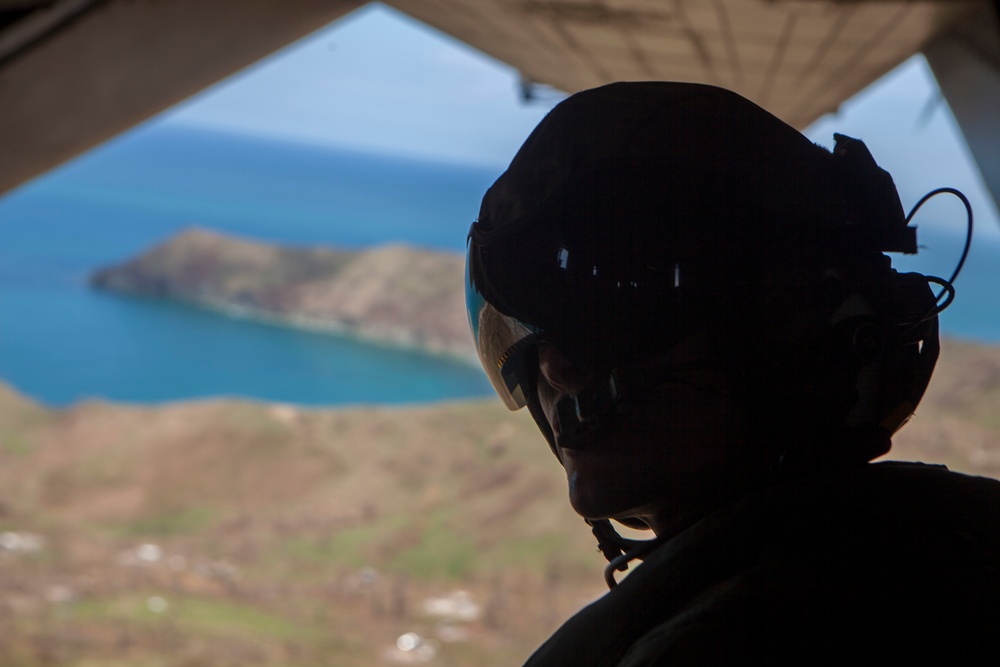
<point x="219" y="533"/>
<point x="391" y="294"/>
<point x="232" y="533"/>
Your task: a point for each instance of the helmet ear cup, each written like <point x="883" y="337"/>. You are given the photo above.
<point x="861" y="339"/>
<point x="858" y="332"/>
<point x="867" y="340"/>
<point x="918" y="344"/>
<point x="896" y="353"/>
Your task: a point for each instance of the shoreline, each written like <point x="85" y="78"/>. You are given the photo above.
<point x="393" y="296"/>
<point x="398" y="338"/>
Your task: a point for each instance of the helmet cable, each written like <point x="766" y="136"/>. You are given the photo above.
<point x="947" y="286"/>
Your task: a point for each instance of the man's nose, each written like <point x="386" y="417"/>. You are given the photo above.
<point x="561" y="372"/>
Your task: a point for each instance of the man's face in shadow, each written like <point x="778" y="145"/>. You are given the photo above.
<point x="678" y="453"/>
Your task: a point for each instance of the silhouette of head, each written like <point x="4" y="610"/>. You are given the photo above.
<point x="650" y="235"/>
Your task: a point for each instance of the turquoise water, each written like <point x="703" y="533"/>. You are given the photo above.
<point x="61" y="342"/>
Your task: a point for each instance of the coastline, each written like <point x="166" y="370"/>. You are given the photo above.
<point x="394" y="295"/>
<point x="392" y="337"/>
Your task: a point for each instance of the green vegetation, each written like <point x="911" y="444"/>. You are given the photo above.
<point x="439" y="552"/>
<point x="225" y="618"/>
<point x="537" y="552"/>
<point x="14" y="443"/>
<point x="355" y="546"/>
<point x="170" y="524"/>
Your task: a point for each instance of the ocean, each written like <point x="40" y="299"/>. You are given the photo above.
<point x="62" y="342"/>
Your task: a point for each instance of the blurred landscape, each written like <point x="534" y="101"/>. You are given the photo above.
<point x="218" y="532"/>
<point x="233" y="533"/>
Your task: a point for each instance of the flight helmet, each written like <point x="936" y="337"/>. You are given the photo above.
<point x="637" y="214"/>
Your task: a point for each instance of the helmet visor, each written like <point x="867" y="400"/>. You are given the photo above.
<point x="501" y="343"/>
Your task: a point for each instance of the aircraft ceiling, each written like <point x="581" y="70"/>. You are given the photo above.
<point x="798" y="59"/>
<point x="76" y="72"/>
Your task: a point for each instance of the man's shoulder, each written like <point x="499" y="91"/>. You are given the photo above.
<point x="896" y="497"/>
<point x="889" y="561"/>
<point x="886" y="494"/>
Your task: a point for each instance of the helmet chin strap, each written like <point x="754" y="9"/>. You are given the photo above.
<point x="620" y="551"/>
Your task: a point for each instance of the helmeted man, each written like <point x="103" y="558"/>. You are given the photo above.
<point x="694" y="303"/>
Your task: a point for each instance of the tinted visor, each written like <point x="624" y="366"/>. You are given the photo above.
<point x="502" y="343"/>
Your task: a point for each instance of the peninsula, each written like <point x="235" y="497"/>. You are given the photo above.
<point x="393" y="294"/>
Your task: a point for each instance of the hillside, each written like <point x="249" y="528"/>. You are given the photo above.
<point x="235" y="533"/>
<point x="281" y="536"/>
<point x="391" y="294"/>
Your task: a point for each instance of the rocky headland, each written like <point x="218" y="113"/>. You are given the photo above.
<point x="393" y="294"/>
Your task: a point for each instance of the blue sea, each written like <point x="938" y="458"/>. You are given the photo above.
<point x="61" y="342"/>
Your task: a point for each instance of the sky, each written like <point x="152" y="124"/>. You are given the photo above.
<point x="379" y="81"/>
<point x="912" y="133"/>
<point x="376" y="80"/>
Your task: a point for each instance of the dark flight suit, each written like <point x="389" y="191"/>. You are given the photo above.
<point x="886" y="563"/>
